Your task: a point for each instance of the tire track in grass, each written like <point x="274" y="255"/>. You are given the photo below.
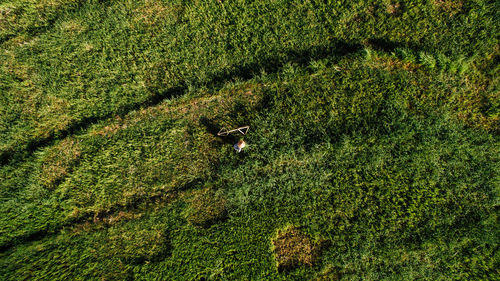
<point x="138" y="205"/>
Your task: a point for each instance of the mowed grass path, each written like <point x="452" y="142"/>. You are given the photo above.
<point x="376" y="137"/>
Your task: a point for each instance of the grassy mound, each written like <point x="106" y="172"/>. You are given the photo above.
<point x="292" y="248"/>
<point x="206" y="208"/>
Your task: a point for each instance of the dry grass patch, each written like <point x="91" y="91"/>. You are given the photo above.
<point x="72" y="27"/>
<point x="451" y="7"/>
<point x="52" y="117"/>
<point x="329" y="273"/>
<point x="100" y="221"/>
<point x="20" y="40"/>
<point x="8" y="16"/>
<point x="27" y="14"/>
<point x="471" y="109"/>
<point x="55" y="4"/>
<point x="392" y="64"/>
<point x="87" y="47"/>
<point x="5" y="11"/>
<point x="59" y="161"/>
<point x="292" y="248"/>
<point x="155" y="11"/>
<point x="134" y="244"/>
<point x="10" y="63"/>
<point x="393" y="9"/>
<point x="111" y="129"/>
<point x="121" y="215"/>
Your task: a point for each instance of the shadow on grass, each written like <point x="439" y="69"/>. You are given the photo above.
<point x="213" y="128"/>
<point x="383" y="45"/>
<point x="268" y="64"/>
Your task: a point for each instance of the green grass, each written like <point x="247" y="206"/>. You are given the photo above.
<point x="373" y="128"/>
<point x="106" y="58"/>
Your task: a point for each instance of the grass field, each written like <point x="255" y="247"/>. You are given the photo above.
<point x="373" y="150"/>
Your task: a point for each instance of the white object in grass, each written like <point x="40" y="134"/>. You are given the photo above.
<point x="240" y="145"/>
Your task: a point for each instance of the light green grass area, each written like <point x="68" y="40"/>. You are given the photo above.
<point x="373" y="134"/>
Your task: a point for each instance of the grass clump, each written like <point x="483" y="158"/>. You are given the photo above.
<point x="292" y="248"/>
<point x="394" y="8"/>
<point x="134" y="247"/>
<point x="329" y="273"/>
<point x="451" y="7"/>
<point x="207" y="207"/>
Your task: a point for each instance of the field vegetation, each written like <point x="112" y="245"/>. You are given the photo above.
<point x="373" y="150"/>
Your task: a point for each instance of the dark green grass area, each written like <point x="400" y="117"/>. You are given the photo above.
<point x="373" y="132"/>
